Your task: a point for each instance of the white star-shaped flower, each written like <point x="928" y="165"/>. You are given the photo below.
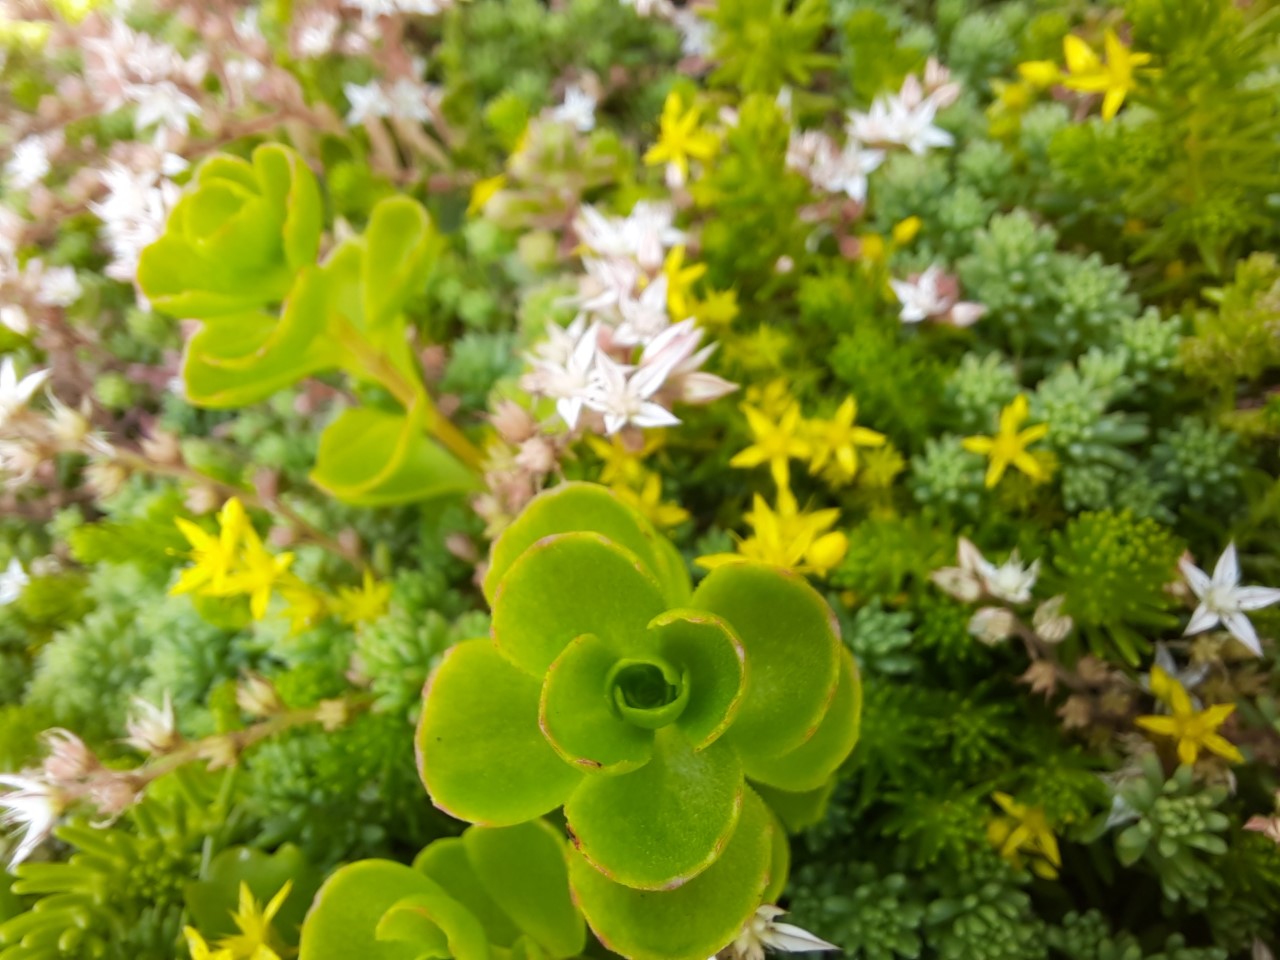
<point x="578" y="109"/>
<point x="1223" y="600"/>
<point x="626" y="399"/>
<point x="12" y="582"/>
<point x="367" y="100"/>
<point x="921" y="298"/>
<point x="763" y="931"/>
<point x="31" y="805"/>
<point x="14" y="393"/>
<point x="976" y="575"/>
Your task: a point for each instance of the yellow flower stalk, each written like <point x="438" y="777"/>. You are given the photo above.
<point x="1009" y="446"/>
<point x="775" y="443"/>
<point x="680" y="281"/>
<point x="837" y="440"/>
<point x="680" y="139"/>
<point x="1024" y="831"/>
<point x="1115" y="80"/>
<point x="1194" y="730"/>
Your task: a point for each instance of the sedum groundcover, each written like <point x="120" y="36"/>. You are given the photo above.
<point x="516" y="480"/>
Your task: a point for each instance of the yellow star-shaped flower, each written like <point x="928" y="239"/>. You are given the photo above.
<point x="1009" y="446"/>
<point x="213" y="556"/>
<point x="1114" y="80"/>
<point x="680" y="281"/>
<point x="680" y="138"/>
<point x="837" y="440"/>
<point x="776" y="443"/>
<point x="1023" y="831"/>
<point x="1195" y="730"/>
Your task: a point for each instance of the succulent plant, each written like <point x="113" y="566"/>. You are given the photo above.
<point x="608" y="689"/>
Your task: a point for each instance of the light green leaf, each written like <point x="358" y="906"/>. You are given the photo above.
<point x="345" y="915"/>
<point x="693" y="921"/>
<point x="480" y="752"/>
<point x="399" y="246"/>
<point x="573" y="507"/>
<point x="792" y="647"/>
<point x="811" y="764"/>
<point x="426" y="918"/>
<point x="374" y="458"/>
<point x="567" y="585"/>
<point x="706" y="650"/>
<point x="446" y="862"/>
<point x="577" y="716"/>
<point x="798" y="811"/>
<point x="657" y="827"/>
<point x="524" y="869"/>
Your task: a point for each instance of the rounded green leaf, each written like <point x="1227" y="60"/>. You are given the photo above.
<point x="657" y="827"/>
<point x="436" y="924"/>
<point x="811" y="764"/>
<point x="566" y="585"/>
<point x="577" y="716"/>
<point x="694" y="921"/>
<point x="373" y="458"/>
<point x="792" y="645"/>
<point x="780" y="862"/>
<point x="704" y="647"/>
<point x="480" y="752"/>
<point x="446" y="862"/>
<point x="524" y="869"/>
<point x="344" y="918"/>
<point x="399" y="243"/>
<point x="798" y="811"/>
<point x="574" y="507"/>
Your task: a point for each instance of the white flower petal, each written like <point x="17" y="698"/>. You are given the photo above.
<point x="1202" y="620"/>
<point x="1196" y="578"/>
<point x="1227" y="571"/>
<point x="1255" y="598"/>
<point x="1240" y="627"/>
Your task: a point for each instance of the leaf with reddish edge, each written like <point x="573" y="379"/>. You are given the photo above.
<point x="567" y="585"/>
<point x="704" y="647"/>
<point x="574" y="507"/>
<point x="661" y="825"/>
<point x="577" y="716"/>
<point x="811" y="764"/>
<point x="693" y="921"/>
<point x="481" y="754"/>
<point x="792" y="645"/>
<point x="525" y="870"/>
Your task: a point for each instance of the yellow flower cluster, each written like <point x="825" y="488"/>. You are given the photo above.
<point x="234" y="562"/>
<point x="681" y="138"/>
<point x="623" y="469"/>
<point x="1086" y="72"/>
<point x="829" y="446"/>
<point x="1008" y="448"/>
<point x="787" y="537"/>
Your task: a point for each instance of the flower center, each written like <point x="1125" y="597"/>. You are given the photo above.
<point x="647" y="693"/>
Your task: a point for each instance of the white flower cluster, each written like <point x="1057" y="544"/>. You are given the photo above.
<point x="33" y="284"/>
<point x="134" y="210"/>
<point x="126" y="67"/>
<point x="406" y="99"/>
<point x="935" y="295"/>
<point x="904" y="119"/>
<point x="624" y="356"/>
<point x="372" y="9"/>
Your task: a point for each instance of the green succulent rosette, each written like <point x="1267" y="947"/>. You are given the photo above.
<point x="609" y="689"/>
<point x="491" y="894"/>
<point x="237" y="237"/>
